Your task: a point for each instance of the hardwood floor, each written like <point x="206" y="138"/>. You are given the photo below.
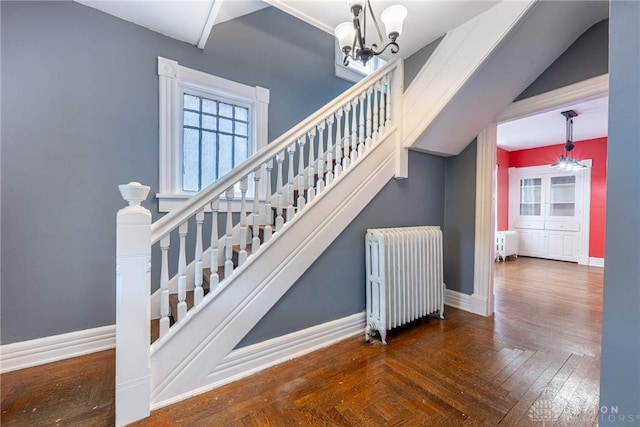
<point x="536" y="360"/>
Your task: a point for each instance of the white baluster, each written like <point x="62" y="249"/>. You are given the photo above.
<point x="279" y="218"/>
<point x="255" y="222"/>
<point x="376" y="90"/>
<point x="346" y="139"/>
<point x="329" y="174"/>
<point x="228" y="237"/>
<point x="164" y="286"/>
<point x="198" y="291"/>
<point x="362" y="129"/>
<point x="337" y="169"/>
<point x="242" y="256"/>
<point x="384" y="91"/>
<point x="300" y="177"/>
<point x="182" y="269"/>
<point x="368" y="140"/>
<point x="321" y="158"/>
<point x="268" y="219"/>
<point x="214" y="279"/>
<point x="311" y="191"/>
<point x="354" y="130"/>
<point x="290" y="182"/>
<point x="387" y="124"/>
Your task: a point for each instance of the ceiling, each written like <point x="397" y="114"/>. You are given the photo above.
<point x="426" y="20"/>
<point x="191" y="21"/>
<point x="549" y="127"/>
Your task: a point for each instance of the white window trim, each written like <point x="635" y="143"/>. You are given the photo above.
<point x="173" y="79"/>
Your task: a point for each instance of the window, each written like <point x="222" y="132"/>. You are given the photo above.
<point x="355" y="71"/>
<point x="208" y="126"/>
<point x="215" y="139"/>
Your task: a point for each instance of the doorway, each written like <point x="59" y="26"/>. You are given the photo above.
<point x="591" y="89"/>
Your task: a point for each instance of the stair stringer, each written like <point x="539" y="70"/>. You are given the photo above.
<point x="183" y="362"/>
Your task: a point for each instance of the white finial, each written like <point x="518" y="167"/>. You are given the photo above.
<point x="134" y="192"/>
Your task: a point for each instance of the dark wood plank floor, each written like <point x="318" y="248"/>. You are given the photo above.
<point x="537" y="360"/>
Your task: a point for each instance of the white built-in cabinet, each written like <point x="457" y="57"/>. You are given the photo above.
<point x="549" y="209"/>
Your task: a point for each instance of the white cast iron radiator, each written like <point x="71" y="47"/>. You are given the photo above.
<point x="404" y="276"/>
<point x="506" y="244"/>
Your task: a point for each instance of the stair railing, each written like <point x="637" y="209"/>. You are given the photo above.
<point x="326" y="145"/>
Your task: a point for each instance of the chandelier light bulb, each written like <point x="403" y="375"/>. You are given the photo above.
<point x="355" y="6"/>
<point x="345" y="33"/>
<point x="393" y="17"/>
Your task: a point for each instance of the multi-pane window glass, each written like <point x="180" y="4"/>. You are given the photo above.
<point x="530" y="196"/>
<point x="215" y="139"/>
<point x="563" y="196"/>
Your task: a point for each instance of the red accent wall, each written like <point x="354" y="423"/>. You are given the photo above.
<point x="502" y="193"/>
<point x="595" y="149"/>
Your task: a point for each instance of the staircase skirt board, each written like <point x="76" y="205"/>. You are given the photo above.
<point x="186" y="359"/>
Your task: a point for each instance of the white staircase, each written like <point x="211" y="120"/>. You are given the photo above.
<point x="308" y="186"/>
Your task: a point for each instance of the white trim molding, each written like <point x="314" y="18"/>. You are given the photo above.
<point x="484" y="246"/>
<point x="596" y="262"/>
<point x="254" y="358"/>
<point x="39" y="351"/>
<point x="593" y="88"/>
<point x="471" y="303"/>
<point x="457" y="299"/>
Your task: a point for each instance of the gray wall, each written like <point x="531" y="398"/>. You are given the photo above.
<point x="620" y="367"/>
<point x="414" y="63"/>
<point x="460" y="220"/>
<point x="587" y="57"/>
<point x="334" y="286"/>
<point x="80" y="116"/>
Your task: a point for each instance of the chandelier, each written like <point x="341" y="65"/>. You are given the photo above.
<point x="567" y="161"/>
<point x="352" y="35"/>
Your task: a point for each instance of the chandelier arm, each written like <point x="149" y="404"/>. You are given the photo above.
<point x="375" y="21"/>
<point x="357" y="37"/>
<point x="393" y="46"/>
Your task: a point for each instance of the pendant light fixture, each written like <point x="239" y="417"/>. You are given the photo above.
<point x="567" y="161"/>
<point x="352" y="35"/>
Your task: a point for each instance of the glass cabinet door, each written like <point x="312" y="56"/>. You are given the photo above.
<point x="562" y="197"/>
<point x="531" y="196"/>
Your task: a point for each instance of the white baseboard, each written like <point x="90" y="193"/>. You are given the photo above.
<point x="457" y="300"/>
<point x="248" y="360"/>
<point x="30" y="353"/>
<point x="596" y="262"/>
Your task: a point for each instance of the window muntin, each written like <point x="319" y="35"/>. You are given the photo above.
<point x="215" y="139"/>
<point x="531" y="196"/>
<point x="563" y="196"/>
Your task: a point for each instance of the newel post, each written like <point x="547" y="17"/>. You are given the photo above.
<point x="133" y="285"/>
